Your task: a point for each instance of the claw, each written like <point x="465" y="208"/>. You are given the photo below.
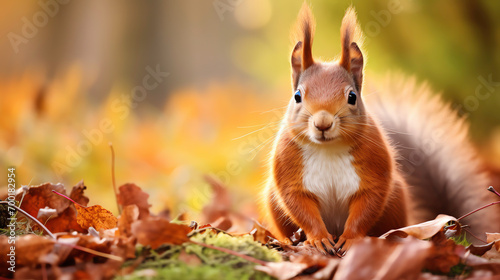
<point x="325" y="245"/>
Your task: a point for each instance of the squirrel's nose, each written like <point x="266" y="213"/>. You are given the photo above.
<point x="323" y="126"/>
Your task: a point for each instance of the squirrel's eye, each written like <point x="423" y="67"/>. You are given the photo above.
<point x="298" y="96"/>
<point x="352" y="98"/>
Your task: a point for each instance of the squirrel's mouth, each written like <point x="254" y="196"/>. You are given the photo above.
<point x="324" y="139"/>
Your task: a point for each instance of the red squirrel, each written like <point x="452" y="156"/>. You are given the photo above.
<point x="335" y="173"/>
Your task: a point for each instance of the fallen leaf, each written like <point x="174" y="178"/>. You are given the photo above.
<point x="29" y="249"/>
<point x="480" y="250"/>
<point x="130" y="194"/>
<point x="95" y="216"/>
<point x="260" y="233"/>
<point x="282" y="270"/>
<point x="494" y="237"/>
<point x="130" y="214"/>
<point x="39" y="197"/>
<point x="65" y="222"/>
<point x="374" y="258"/>
<point x="421" y="231"/>
<point x="156" y="231"/>
<point x="77" y="194"/>
<point x="494" y="252"/>
<point x="220" y="205"/>
<point x="443" y="256"/>
<point x="89" y="242"/>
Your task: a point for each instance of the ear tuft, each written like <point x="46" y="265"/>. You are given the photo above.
<point x="306" y="19"/>
<point x="351" y="38"/>
<point x="302" y="53"/>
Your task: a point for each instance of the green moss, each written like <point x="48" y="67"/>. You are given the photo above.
<point x="214" y="264"/>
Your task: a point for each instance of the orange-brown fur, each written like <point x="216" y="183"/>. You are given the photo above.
<point x="379" y="204"/>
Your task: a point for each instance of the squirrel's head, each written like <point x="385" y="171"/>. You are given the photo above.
<point x="326" y="105"/>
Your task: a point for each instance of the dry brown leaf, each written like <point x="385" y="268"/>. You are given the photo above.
<point x="156" y="231"/>
<point x="494" y="237"/>
<point x="494" y="252"/>
<point x="282" y="270"/>
<point x="480" y="250"/>
<point x="444" y="254"/>
<point x="29" y="250"/>
<point x="39" y="197"/>
<point x="373" y="258"/>
<point x="260" y="233"/>
<point x="130" y="214"/>
<point x="77" y="194"/>
<point x="421" y="231"/>
<point x="482" y="267"/>
<point x="130" y="194"/>
<point x="65" y="222"/>
<point x="95" y="216"/>
<point x="220" y="205"/>
<point x="90" y="242"/>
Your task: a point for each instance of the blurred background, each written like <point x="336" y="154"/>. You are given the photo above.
<point x="187" y="88"/>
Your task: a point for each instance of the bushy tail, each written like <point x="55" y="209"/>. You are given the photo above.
<point x="439" y="162"/>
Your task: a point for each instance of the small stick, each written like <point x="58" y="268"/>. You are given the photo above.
<point x="113" y="176"/>
<point x="94" y="252"/>
<point x="492" y="189"/>
<point x="481" y="208"/>
<point x="31" y="217"/>
<point x="231" y="252"/>
<point x="65" y="196"/>
<point x="475" y="236"/>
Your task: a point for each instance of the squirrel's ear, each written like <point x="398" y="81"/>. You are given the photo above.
<point x="302" y="52"/>
<point x="296" y="64"/>
<point x="356" y="65"/>
<point x="351" y="57"/>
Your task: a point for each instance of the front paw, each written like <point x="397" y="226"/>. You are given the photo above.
<point x="344" y="243"/>
<point x="324" y="244"/>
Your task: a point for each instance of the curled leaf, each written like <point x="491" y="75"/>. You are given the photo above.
<point x="423" y="230"/>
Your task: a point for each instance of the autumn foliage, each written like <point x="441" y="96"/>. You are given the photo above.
<point x="89" y="242"/>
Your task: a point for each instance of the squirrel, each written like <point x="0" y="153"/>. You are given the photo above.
<point x="339" y="175"/>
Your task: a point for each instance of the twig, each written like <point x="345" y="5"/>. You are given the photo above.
<point x="474" y="236"/>
<point x="481" y="208"/>
<point x="31" y="217"/>
<point x="491" y="189"/>
<point x="113" y="177"/>
<point x="65" y="196"/>
<point x="231" y="252"/>
<point x="94" y="252"/>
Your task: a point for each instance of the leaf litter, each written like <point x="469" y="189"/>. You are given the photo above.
<point x="89" y="242"/>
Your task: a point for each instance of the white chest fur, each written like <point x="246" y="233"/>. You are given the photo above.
<point x="331" y="176"/>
